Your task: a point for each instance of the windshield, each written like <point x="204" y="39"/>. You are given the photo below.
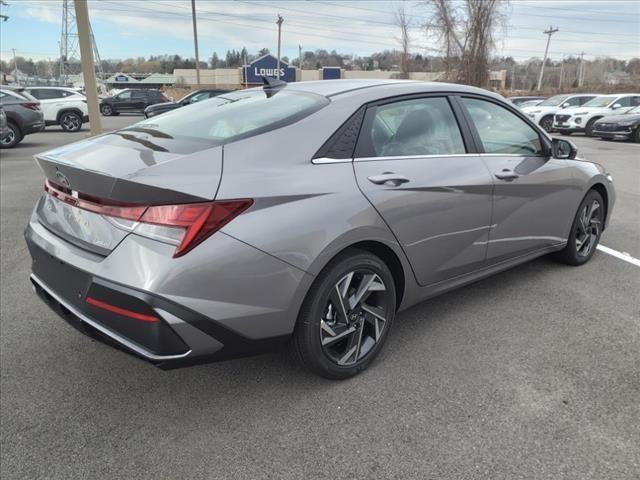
<point x="599" y="102"/>
<point x="236" y="115"/>
<point x="554" y="101"/>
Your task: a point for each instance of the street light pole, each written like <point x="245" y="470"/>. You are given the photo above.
<point x="279" y="22"/>
<point x="195" y="40"/>
<point x="88" y="70"/>
<point x="549" y="32"/>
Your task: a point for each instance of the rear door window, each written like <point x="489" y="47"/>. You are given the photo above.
<point x="502" y="131"/>
<point x="420" y="126"/>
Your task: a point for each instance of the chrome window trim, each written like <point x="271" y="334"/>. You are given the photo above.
<point x="114" y="336"/>
<point x="413" y="157"/>
<point x="326" y="160"/>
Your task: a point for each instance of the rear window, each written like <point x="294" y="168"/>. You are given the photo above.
<point x="236" y="115"/>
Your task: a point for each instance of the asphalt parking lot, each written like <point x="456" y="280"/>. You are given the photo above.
<point x="533" y="373"/>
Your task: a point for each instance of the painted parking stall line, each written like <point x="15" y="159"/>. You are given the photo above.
<point x="621" y="255"/>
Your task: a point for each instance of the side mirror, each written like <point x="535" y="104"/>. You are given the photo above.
<point x="617" y="105"/>
<point x="566" y="104"/>
<point x="562" y="148"/>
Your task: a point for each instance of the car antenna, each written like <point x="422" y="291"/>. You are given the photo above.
<point x="271" y="85"/>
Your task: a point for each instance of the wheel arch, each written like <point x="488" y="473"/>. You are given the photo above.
<point x="602" y="190"/>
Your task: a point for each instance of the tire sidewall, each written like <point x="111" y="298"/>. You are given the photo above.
<point x="571" y="250"/>
<point x="548" y="119"/>
<point x="66" y="114"/>
<point x="588" y="130"/>
<point x="17" y="137"/>
<point x="106" y="110"/>
<point x="308" y="326"/>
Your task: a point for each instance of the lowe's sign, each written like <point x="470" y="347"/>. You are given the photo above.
<point x="267" y="66"/>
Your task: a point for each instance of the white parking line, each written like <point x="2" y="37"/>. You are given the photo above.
<point x="621" y="255"/>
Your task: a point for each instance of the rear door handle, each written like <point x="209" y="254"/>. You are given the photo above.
<point x="388" y="178"/>
<point x="507" y="174"/>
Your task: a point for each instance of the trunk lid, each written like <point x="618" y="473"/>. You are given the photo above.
<point x="132" y="166"/>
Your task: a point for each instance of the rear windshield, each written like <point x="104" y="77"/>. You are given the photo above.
<point x="235" y="115"/>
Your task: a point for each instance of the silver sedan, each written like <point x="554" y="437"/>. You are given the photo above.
<point x="305" y="214"/>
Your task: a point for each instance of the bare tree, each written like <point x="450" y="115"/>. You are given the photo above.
<point x="465" y="31"/>
<point x="404" y="23"/>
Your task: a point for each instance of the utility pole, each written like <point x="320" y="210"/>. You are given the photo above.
<point x="195" y="40"/>
<point x="88" y="71"/>
<point x="300" y="56"/>
<point x="549" y="32"/>
<point x="561" y="73"/>
<point x="15" y="66"/>
<point x="513" y="76"/>
<point x="581" y="71"/>
<point x="279" y="22"/>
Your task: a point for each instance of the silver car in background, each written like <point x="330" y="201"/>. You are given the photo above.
<point x="307" y="214"/>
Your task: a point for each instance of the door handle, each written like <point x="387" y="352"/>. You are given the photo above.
<point x="388" y="178"/>
<point x="507" y="175"/>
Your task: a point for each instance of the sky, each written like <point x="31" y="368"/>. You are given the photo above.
<point x="132" y="28"/>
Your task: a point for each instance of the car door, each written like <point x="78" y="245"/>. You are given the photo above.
<point x="412" y="163"/>
<point x="49" y="100"/>
<point x="122" y="101"/>
<point x="534" y="196"/>
<point x="138" y="100"/>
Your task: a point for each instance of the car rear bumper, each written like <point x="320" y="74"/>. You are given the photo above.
<point x="186" y="332"/>
<point x="33" y="127"/>
<point x="621" y="133"/>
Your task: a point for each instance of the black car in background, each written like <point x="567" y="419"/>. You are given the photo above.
<point x="623" y="126"/>
<point x="23" y="115"/>
<point x="131" y="100"/>
<point x="193" y="97"/>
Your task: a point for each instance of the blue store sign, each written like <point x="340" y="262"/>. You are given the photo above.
<point x="267" y="66"/>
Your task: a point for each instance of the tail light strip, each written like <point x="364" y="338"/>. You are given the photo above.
<point x="196" y="221"/>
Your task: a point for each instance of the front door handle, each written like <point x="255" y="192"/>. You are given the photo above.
<point x="507" y="175"/>
<point x="388" y="178"/>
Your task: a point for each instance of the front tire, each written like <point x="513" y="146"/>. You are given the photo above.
<point x="547" y="123"/>
<point x="636" y="135"/>
<point x="13" y="138"/>
<point x="70" y="122"/>
<point x="585" y="231"/>
<point x="588" y="130"/>
<point x="346" y="316"/>
<point x="106" y="110"/>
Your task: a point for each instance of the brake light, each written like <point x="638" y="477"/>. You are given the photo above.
<point x="31" y="106"/>
<point x="182" y="225"/>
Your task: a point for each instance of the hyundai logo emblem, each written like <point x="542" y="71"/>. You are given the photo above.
<point x="63" y="180"/>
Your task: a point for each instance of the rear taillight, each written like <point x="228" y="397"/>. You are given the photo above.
<point x="31" y="106"/>
<point x="182" y="225"/>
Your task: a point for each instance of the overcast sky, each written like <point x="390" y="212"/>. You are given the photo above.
<point x="129" y="28"/>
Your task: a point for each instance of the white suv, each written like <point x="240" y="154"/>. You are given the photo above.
<point x="581" y="119"/>
<point x="543" y="113"/>
<point x="62" y="106"/>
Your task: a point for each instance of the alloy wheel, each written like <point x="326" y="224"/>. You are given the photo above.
<point x="355" y="317"/>
<point x="10" y="138"/>
<point x="106" y="110"/>
<point x="588" y="228"/>
<point x="70" y="122"/>
<point x="547" y="124"/>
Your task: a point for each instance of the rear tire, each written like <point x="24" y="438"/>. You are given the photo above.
<point x="13" y="138"/>
<point x="70" y="122"/>
<point x="566" y="133"/>
<point x="346" y="317"/>
<point x="585" y="231"/>
<point x="106" y="110"/>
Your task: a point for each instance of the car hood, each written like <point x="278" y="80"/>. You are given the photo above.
<point x="540" y="109"/>
<point x="634" y="117"/>
<point x="159" y="106"/>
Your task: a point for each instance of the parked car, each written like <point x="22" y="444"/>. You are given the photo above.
<point x="582" y="119"/>
<point x="61" y="106"/>
<point x="131" y="101"/>
<point x="395" y="192"/>
<point x="193" y="97"/>
<point x="23" y="115"/>
<point x="543" y="113"/>
<point x="4" y="128"/>
<point x="517" y="101"/>
<point x="625" y="126"/>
